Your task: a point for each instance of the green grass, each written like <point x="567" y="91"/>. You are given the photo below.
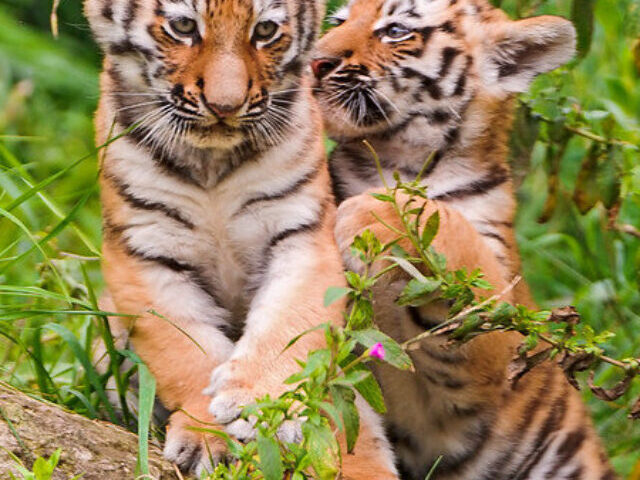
<point x="50" y="230"/>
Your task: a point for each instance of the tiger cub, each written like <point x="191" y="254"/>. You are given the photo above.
<point x="437" y="77"/>
<point x="218" y="212"/>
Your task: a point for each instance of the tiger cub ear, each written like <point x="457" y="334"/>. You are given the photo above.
<point x="518" y="51"/>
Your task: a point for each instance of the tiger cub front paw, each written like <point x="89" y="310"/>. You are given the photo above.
<point x="193" y="451"/>
<point x="232" y="391"/>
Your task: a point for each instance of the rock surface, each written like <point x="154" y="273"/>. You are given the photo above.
<point x="100" y="451"/>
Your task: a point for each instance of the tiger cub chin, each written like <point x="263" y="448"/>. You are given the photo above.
<point x="218" y="211"/>
<point x="438" y="77"/>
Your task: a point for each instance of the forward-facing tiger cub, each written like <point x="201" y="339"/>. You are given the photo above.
<point x="218" y="212"/>
<point x="422" y="77"/>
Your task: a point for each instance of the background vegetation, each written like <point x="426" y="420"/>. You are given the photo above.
<point x="575" y="155"/>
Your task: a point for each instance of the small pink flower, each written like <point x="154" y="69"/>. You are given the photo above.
<point x="377" y="351"/>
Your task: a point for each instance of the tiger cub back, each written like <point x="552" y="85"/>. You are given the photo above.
<point x="418" y="78"/>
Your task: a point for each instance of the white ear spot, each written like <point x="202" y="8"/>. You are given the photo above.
<point x="519" y="51"/>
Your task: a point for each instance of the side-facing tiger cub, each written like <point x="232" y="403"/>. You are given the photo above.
<point x="218" y="212"/>
<point x="423" y="77"/>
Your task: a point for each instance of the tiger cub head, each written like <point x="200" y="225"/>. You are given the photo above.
<point x="213" y="72"/>
<point x="389" y="62"/>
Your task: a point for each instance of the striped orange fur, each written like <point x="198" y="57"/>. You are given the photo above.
<point x="422" y="78"/>
<point x="218" y="212"/>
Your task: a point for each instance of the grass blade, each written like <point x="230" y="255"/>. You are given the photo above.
<point x="81" y="355"/>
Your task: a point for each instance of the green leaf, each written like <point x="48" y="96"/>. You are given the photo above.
<point x="316" y="360"/>
<point x="344" y="401"/>
<point x="482" y="283"/>
<point x="295" y="339"/>
<point x="394" y="354"/>
<point x="323" y="450"/>
<point x="582" y="17"/>
<point x="333" y="294"/>
<point x="503" y="313"/>
<point x="417" y="293"/>
<point x="430" y="230"/>
<point x="587" y="193"/>
<point x="408" y="267"/>
<point x="382" y="197"/>
<point x="352" y="378"/>
<point x="42" y="469"/>
<point x="146" y="400"/>
<point x="469" y="326"/>
<point x="331" y="411"/>
<point x="370" y="391"/>
<point x="270" y="461"/>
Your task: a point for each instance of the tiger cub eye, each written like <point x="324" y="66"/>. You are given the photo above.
<point x="265" y="31"/>
<point x="397" y="31"/>
<point x="184" y="26"/>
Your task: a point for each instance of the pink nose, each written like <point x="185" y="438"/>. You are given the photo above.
<point x="324" y="66"/>
<point x="223" y="111"/>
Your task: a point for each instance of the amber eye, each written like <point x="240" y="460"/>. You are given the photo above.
<point x="265" y="31"/>
<point x="184" y="26"/>
<point x="397" y="31"/>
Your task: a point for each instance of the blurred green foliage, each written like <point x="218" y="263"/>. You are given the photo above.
<point x="49" y="90"/>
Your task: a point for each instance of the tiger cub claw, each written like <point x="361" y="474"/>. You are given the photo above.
<point x="192" y="451"/>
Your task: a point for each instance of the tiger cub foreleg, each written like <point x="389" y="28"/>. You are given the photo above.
<point x="457" y="239"/>
<point x="178" y="347"/>
<point x="288" y="302"/>
<point x="474" y="374"/>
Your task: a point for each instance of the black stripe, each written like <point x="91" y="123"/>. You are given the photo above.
<point x="291" y="232"/>
<point x="277" y="239"/>
<point x="567" y="450"/>
<point x="399" y="436"/>
<point x="428" y="83"/>
<point x="127" y="47"/>
<point x="164" y="161"/>
<point x="149" y="205"/>
<point x="168" y="262"/>
<point x="496" y="177"/>
<point x="130" y="15"/>
<point x="447" y="27"/>
<point x="107" y="10"/>
<point x="300" y="18"/>
<point x="416" y="318"/>
<point x="461" y="83"/>
<point x="498" y="223"/>
<point x="442" y="354"/>
<point x="609" y="475"/>
<point x="300" y="229"/>
<point x="478" y="437"/>
<point x="291" y="190"/>
<point x="448" y="56"/>
<point x="193" y="273"/>
<point x="576" y="473"/>
<point x="545" y="435"/>
<point x="519" y="432"/>
<point x="338" y="185"/>
<point x="495" y="236"/>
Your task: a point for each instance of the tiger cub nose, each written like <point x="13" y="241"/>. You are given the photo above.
<point x="324" y="66"/>
<point x="223" y="111"/>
